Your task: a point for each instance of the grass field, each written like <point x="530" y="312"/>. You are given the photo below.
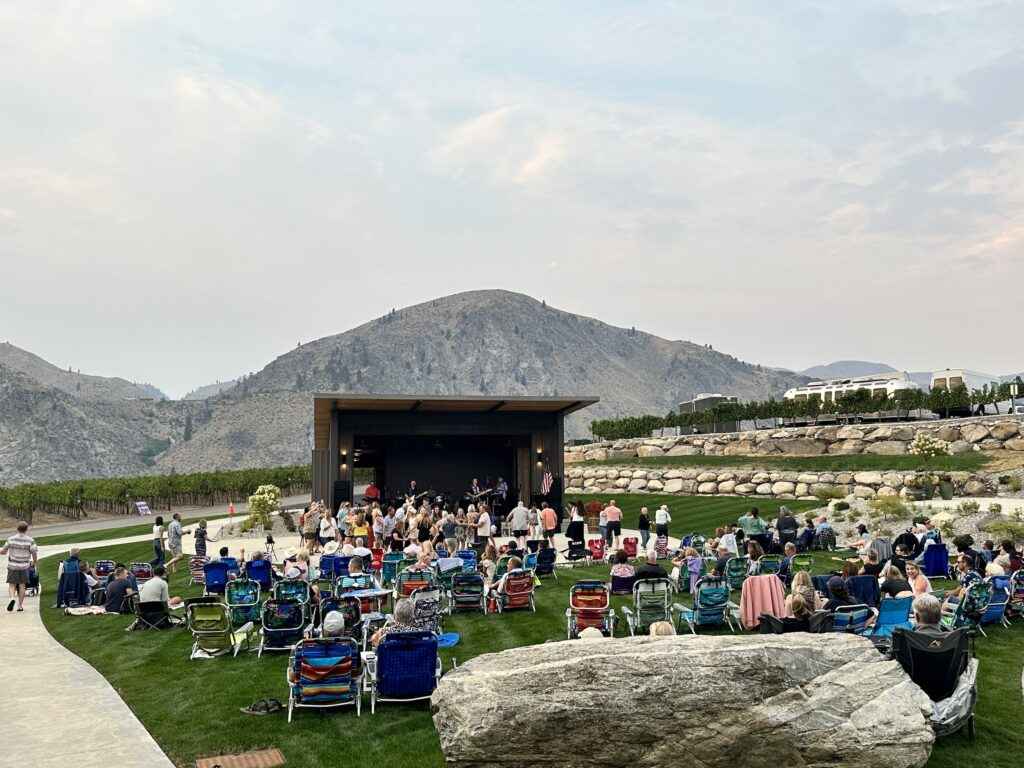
<point x="967" y="462"/>
<point x="192" y="707"/>
<point x="107" y="534"/>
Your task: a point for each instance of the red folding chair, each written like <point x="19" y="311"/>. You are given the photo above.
<point x="630" y="544"/>
<point x="596" y="548"/>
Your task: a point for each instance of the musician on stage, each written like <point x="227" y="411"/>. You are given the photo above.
<point x="412" y="489"/>
<point x="474" y="488"/>
<point x="500" y="495"/>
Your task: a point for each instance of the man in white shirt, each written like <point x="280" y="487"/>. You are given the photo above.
<point x="728" y="541"/>
<point x="661" y="520"/>
<point x="519" y="519"/>
<point x="361" y="550"/>
<point x="483" y="527"/>
<point x="155" y="590"/>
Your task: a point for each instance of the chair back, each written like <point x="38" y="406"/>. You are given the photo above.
<point x="589" y="594"/>
<point x="933" y="661"/>
<point x="651" y="599"/>
<point x="407" y="665"/>
<point x="801" y="562"/>
<point x="103" y="570"/>
<point x="261" y="572"/>
<point x="376" y="558"/>
<point x="698" y="541"/>
<point x="327" y="566"/>
<point x="207" y="617"/>
<point x="936" y="561"/>
<point x="661" y="547"/>
<point x="197" y="569"/>
<point x="630" y="545"/>
<point x="142" y="572"/>
<point x="467" y="591"/>
<point x="283" y="615"/>
<point x="596" y="548"/>
<point x="518" y="590"/>
<point x="622" y="585"/>
<point x="711" y="602"/>
<point x="341" y="565"/>
<point x="893" y="612"/>
<point x="292" y="589"/>
<point x="215" y="576"/>
<point x="769" y="564"/>
<point x="408" y="582"/>
<point x="501" y="567"/>
<point x="736" y="571"/>
<point x="426" y="603"/>
<point x="864" y="589"/>
<point x="972" y="606"/>
<point x="389" y="566"/>
<point x="998" y="601"/>
<point x="326" y="671"/>
<point x="349" y="607"/>
<point x="546" y="562"/>
<point x="851" y="618"/>
<point x="530" y="561"/>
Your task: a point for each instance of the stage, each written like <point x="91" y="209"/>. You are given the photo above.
<point x="441" y="442"/>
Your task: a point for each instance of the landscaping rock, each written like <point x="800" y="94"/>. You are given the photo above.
<point x="739" y="448"/>
<point x="847" y="447"/>
<point x="755" y="700"/>
<point x="618" y="454"/>
<point x="864" y="492"/>
<point x="637" y="484"/>
<point x="745" y="489"/>
<point x="707" y="488"/>
<point x="887" y="448"/>
<point x="729" y="486"/>
<point x="764" y="489"/>
<point x="1004" y="430"/>
<point x="673" y="486"/>
<point x="707" y="477"/>
<point x="596" y="454"/>
<point x="975" y="488"/>
<point x="850" y="433"/>
<point x="948" y="433"/>
<point x="1017" y="444"/>
<point x="683" y="450"/>
<point x="960" y="446"/>
<point x="783" y="486"/>
<point x="648" y="451"/>
<point x="868" y="478"/>
<point x="802" y="446"/>
<point x="654" y="486"/>
<point x="974" y="433"/>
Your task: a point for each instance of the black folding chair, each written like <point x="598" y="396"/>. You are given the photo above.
<point x="935" y="663"/>
<point x="152" y="615"/>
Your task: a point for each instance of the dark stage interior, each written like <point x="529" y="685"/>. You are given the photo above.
<point x="445" y="464"/>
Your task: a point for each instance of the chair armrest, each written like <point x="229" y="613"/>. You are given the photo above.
<point x="627" y="611"/>
<point x="677" y="608"/>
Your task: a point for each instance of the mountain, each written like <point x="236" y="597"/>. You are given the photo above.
<point x="479" y="342"/>
<point x="75" y="384"/>
<point x="845" y="369"/>
<point x="210" y="390"/>
<point x="48" y="434"/>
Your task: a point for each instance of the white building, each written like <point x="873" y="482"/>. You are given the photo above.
<point x="832" y="389"/>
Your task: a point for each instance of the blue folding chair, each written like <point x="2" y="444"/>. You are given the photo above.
<point x="999" y="600"/>
<point x="852" y="619"/>
<point x="893" y="613"/>
<point x="711" y="606"/>
<point x="216" y="576"/>
<point x="864" y="589"/>
<point x="406" y="668"/>
<point x="327" y="566"/>
<point x="325" y="673"/>
<point x="936" y="561"/>
<point x="261" y="572"/>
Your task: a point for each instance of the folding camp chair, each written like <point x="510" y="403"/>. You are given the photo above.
<point x="152" y="615"/>
<point x="817" y="623"/>
<point x="376" y="560"/>
<point x="501" y="567"/>
<point x="736" y="569"/>
<point x="427" y="607"/>
<point x="864" y="589"/>
<point x="936" y="561"/>
<point x="941" y="666"/>
<point x="801" y="562"/>
<point x="893" y="613"/>
<point x="197" y="570"/>
<point x="546" y="558"/>
<point x="446" y="568"/>
<point x="103" y="569"/>
<point x="327" y="568"/>
<point x="408" y="582"/>
<point x="357" y="624"/>
<point x="698" y="541"/>
<point x="661" y="547"/>
<point x="142" y="572"/>
<point x="405" y="667"/>
<point x="467" y="593"/>
<point x="389" y="567"/>
<point x="72" y="589"/>
<point x="622" y="585"/>
<point x="651" y="603"/>
<point x="999" y="600"/>
<point x="517" y="593"/>
<point x="242" y="597"/>
<point x="769" y="564"/>
<point x="711" y="606"/>
<point x="530" y="561"/>
<point x="595" y="547"/>
<point x="324" y="673"/>
<point x="970" y="608"/>
<point x="469" y="560"/>
<point x="630" y="545"/>
<point x="852" y="619"/>
<point x="1016" y="605"/>
<point x="292" y="589"/>
<point x="283" y="623"/>
<point x="589" y="606"/>
<point x="262" y="572"/>
<point x="213" y="634"/>
<point x="577" y="552"/>
<point x="215" y="577"/>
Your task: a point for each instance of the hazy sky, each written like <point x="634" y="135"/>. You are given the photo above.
<point x="187" y="190"/>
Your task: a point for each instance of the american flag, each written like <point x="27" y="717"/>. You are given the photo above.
<point x="546" y="483"/>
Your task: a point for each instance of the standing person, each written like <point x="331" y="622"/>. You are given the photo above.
<point x="310" y="526"/>
<point x="549" y="521"/>
<point x="450" y="532"/>
<point x="483" y="526"/>
<point x="328" y="529"/>
<point x="644" y="526"/>
<point x="158" y="542"/>
<point x="22" y="555"/>
<point x="613" y="519"/>
<point x="202" y="537"/>
<point x="519" y="519"/>
<point x="661" y="520"/>
<point x="174" y="534"/>
<point x="602" y="523"/>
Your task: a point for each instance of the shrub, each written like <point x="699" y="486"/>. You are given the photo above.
<point x="825" y="495"/>
<point x="841" y="506"/>
<point x="995" y="508"/>
<point x="968" y="508"/>
<point x="1015" y="484"/>
<point x="262" y="504"/>
<point x="927" y="446"/>
<point x="946" y="529"/>
<point x="889" y="507"/>
<point x="1005" y="529"/>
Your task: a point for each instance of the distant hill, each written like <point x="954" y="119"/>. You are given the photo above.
<point x="844" y="369"/>
<point x="78" y="385"/>
<point x="479" y="342"/>
<point x="210" y="390"/>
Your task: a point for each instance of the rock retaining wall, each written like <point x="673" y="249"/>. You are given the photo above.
<point x="774" y="484"/>
<point x="963" y="436"/>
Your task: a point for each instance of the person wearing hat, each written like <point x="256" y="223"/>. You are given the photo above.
<point x="651" y="569"/>
<point x="334" y="624"/>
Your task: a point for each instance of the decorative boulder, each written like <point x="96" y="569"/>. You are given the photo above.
<point x="755" y="700"/>
<point x="683" y="450"/>
<point x="887" y="448"/>
<point x="948" y="432"/>
<point x="974" y="433"/>
<point x="674" y="485"/>
<point x="1004" y="430"/>
<point x="850" y="433"/>
<point x="707" y="488"/>
<point x="958" y="447"/>
<point x="783" y="486"/>
<point x="649" y="451"/>
<point x="1017" y="444"/>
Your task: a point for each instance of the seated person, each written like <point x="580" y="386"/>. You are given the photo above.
<point x="899" y="560"/>
<point x="156" y="591"/>
<point x="839" y="595"/>
<point x="755" y="553"/>
<point x="917" y="580"/>
<point x="421" y="564"/>
<point x="657" y="629"/>
<point x="621" y="566"/>
<point x="333" y="626"/>
<point x="119" y="590"/>
<point x="894" y="584"/>
<point x="686" y="570"/>
<point x="356" y="575"/>
<point x="786" y="566"/>
<point x="514" y="564"/>
<point x="221" y="554"/>
<point x="723" y="557"/>
<point x="994" y="569"/>
<point x="800" y="620"/>
<point x="927" y="612"/>
<point x="871" y="566"/>
<point x="650" y="569"/>
<point x="803" y="586"/>
<point x="806" y="540"/>
<point x="851" y="567"/>
<point x="361" y="550"/>
<point x="412" y="551"/>
<point x="402" y="620"/>
<point x="964" y="575"/>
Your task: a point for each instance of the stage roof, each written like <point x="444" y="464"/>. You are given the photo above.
<point x="323" y="403"/>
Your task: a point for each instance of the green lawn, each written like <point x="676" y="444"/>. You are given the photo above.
<point x="967" y="462"/>
<point x="693" y="513"/>
<point x="191" y="707"/>
<point x="107" y="534"/>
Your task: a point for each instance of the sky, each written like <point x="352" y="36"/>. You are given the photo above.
<point x="188" y="190"/>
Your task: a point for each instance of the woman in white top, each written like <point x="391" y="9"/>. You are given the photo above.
<point x="158" y="542"/>
<point x="483" y="525"/>
<point x="661" y="520"/>
<point x="328" y="529"/>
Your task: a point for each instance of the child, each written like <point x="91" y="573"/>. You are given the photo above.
<point x="693" y="564"/>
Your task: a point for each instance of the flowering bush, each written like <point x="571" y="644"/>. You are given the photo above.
<point x="928" y="446"/>
<point x="262" y="503"/>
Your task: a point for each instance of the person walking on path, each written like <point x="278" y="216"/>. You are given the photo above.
<point x="549" y="521"/>
<point x="22" y="554"/>
<point x="661" y="520"/>
<point x="613" y="520"/>
<point x="174" y="534"/>
<point x="201" y="538"/>
<point x="158" y="542"/>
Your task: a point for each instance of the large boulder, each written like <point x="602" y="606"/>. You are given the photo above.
<point x="1017" y="444"/>
<point x="739" y="448"/>
<point x="783" y="486"/>
<point x="948" y="432"/>
<point x="754" y="700"/>
<point x="1004" y="430"/>
<point x="847" y="447"/>
<point x="887" y="448"/>
<point x="683" y="450"/>
<point x="649" y="451"/>
<point x="974" y="433"/>
<point x="850" y="433"/>
<point x="802" y="446"/>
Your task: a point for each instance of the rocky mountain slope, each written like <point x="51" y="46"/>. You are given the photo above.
<point x="480" y="342"/>
<point x="76" y="384"/>
<point x="842" y="369"/>
<point x="210" y="390"/>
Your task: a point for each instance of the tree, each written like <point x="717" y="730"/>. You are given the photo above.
<point x="188" y="427"/>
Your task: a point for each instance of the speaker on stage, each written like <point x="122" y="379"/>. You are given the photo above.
<point x="342" y="492"/>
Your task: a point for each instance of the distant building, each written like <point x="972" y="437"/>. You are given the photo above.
<point x="952" y="378"/>
<point x="832" y="389"/>
<point x="705" y="402"/>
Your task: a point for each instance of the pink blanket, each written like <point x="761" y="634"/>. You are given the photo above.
<point x="762" y="594"/>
